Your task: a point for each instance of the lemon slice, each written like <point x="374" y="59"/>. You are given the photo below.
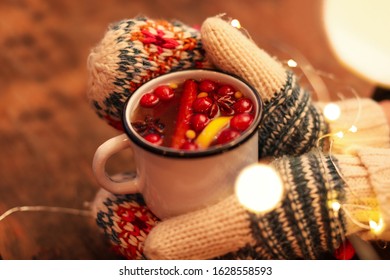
<point x="207" y="135"/>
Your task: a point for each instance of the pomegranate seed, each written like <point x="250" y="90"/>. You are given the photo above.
<point x="227" y="135"/>
<point x="189" y="146"/>
<point x="207" y="86"/>
<point x="241" y="122"/>
<point x="202" y="105"/>
<point x="149" y="100"/>
<point x="154" y="138"/>
<point x="199" y="122"/>
<point x="243" y="105"/>
<point x="164" y="92"/>
<point x="226" y="90"/>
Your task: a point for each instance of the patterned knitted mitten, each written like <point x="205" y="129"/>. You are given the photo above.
<point x="125" y="221"/>
<point x="306" y="224"/>
<point x="134" y="51"/>
<point x="291" y="124"/>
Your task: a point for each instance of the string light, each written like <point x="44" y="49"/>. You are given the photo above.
<point x="339" y="134"/>
<point x="259" y="188"/>
<point x="376" y="227"/>
<point x="335" y="206"/>
<point x="292" y="63"/>
<point x="235" y="23"/>
<point x="353" y="129"/>
<point x="40" y="208"/>
<point x="332" y="111"/>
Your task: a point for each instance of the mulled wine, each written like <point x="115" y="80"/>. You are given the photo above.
<point x="192" y="115"/>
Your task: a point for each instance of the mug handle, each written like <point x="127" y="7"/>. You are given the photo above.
<point x="102" y="154"/>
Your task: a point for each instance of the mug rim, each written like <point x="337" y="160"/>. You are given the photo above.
<point x="176" y="153"/>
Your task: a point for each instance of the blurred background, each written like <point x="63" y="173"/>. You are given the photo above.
<point x="48" y="131"/>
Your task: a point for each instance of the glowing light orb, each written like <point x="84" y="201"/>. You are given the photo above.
<point x="235" y="23"/>
<point x="376" y="227"/>
<point x="292" y="63"/>
<point x="332" y="111"/>
<point x="353" y="129"/>
<point x="259" y="188"/>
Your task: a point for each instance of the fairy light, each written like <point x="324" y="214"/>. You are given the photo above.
<point x="339" y="134"/>
<point x="353" y="129"/>
<point x="259" y="188"/>
<point x="376" y="227"/>
<point x="335" y="206"/>
<point x="292" y="63"/>
<point x="235" y="23"/>
<point x="332" y="111"/>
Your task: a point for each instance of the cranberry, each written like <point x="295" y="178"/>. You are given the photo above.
<point x="227" y="135"/>
<point x="243" y="105"/>
<point x="149" y="100"/>
<point x="241" y="122"/>
<point x="202" y="105"/>
<point x="189" y="146"/>
<point x="199" y="122"/>
<point x="226" y="90"/>
<point x="207" y="86"/>
<point x="164" y="92"/>
<point x="154" y="138"/>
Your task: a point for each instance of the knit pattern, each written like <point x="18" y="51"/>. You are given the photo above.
<point x="291" y="124"/>
<point x="377" y="163"/>
<point x="231" y="51"/>
<point x="303" y="226"/>
<point x="126" y="221"/>
<point x="132" y="52"/>
<point x="368" y="118"/>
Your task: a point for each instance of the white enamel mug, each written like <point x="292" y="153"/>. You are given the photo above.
<point x="172" y="181"/>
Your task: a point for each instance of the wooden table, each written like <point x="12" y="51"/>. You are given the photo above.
<point x="48" y="132"/>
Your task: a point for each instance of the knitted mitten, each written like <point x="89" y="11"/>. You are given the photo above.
<point x="125" y="221"/>
<point x="291" y="123"/>
<point x="134" y="51"/>
<point x="305" y="224"/>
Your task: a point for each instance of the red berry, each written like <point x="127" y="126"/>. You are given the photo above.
<point x="189" y="146"/>
<point x="241" y="122"/>
<point x="154" y="138"/>
<point x="243" y="105"/>
<point x="226" y="90"/>
<point x="202" y="104"/>
<point x="164" y="92"/>
<point x="207" y="86"/>
<point x="227" y="135"/>
<point x="149" y="100"/>
<point x="199" y="122"/>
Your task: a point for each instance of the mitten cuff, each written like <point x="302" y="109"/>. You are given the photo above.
<point x="362" y="122"/>
<point x="304" y="225"/>
<point x="291" y="125"/>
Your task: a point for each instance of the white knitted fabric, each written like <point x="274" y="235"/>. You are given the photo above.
<point x="368" y="118"/>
